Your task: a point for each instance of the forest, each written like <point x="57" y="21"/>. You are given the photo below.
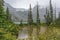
<point x="50" y="30"/>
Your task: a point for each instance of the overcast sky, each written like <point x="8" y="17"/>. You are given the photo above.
<point x="25" y="3"/>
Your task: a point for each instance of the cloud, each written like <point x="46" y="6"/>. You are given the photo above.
<point x="25" y="3"/>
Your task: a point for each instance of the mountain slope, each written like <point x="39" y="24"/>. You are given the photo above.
<point x="18" y="14"/>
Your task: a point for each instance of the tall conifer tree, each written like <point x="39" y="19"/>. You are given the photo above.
<point x="55" y="14"/>
<point x="2" y="14"/>
<point x="47" y="18"/>
<point x="7" y="13"/>
<point x="49" y="15"/>
<point x="58" y="20"/>
<point x="30" y="19"/>
<point x="48" y="22"/>
<point x="8" y="16"/>
<point x="51" y="12"/>
<point x="38" y="19"/>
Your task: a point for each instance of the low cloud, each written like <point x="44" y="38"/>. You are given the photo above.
<point x="25" y="3"/>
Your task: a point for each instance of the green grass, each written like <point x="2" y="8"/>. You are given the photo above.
<point x="52" y="34"/>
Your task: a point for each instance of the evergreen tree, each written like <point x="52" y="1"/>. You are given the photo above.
<point x="7" y="13"/>
<point x="55" y="16"/>
<point x="2" y="14"/>
<point x="48" y="22"/>
<point x="47" y="17"/>
<point x="2" y="20"/>
<point x="21" y="24"/>
<point x="30" y="19"/>
<point x="38" y="22"/>
<point x="58" y="20"/>
<point x="38" y="19"/>
<point x="51" y="12"/>
<point x="1" y="7"/>
<point x="30" y="22"/>
<point x="8" y="16"/>
<point x="55" y="13"/>
<point x="6" y="29"/>
<point x="59" y="15"/>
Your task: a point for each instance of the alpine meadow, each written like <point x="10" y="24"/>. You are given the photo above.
<point x="29" y="20"/>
